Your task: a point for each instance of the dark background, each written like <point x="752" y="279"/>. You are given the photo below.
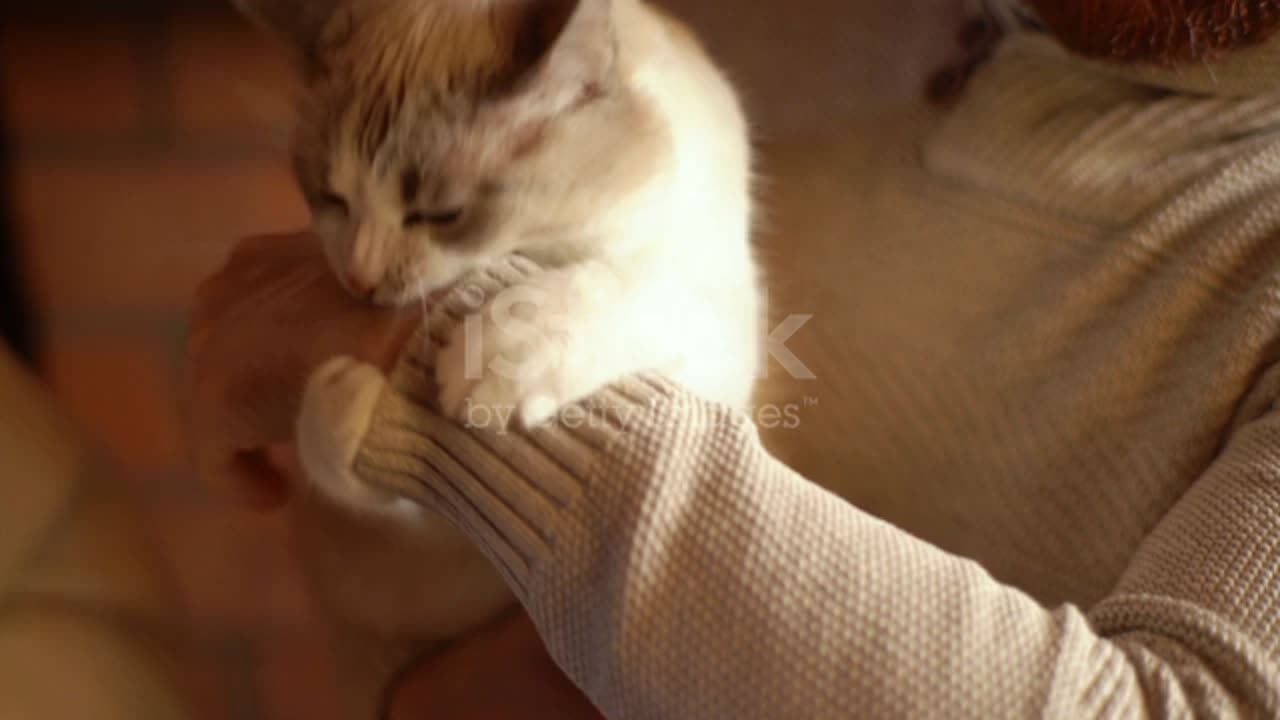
<point x="81" y="9"/>
<point x="18" y="316"/>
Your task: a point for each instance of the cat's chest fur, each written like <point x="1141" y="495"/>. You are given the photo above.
<point x="439" y="138"/>
<point x="616" y="157"/>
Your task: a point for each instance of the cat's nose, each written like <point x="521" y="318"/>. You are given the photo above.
<point x="360" y="286"/>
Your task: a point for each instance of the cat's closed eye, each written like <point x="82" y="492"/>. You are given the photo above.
<point x="445" y="218"/>
<point x="329" y="202"/>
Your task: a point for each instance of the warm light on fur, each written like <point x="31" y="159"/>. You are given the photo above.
<point x="592" y="136"/>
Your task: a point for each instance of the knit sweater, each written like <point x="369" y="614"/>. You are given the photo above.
<point x="1038" y="470"/>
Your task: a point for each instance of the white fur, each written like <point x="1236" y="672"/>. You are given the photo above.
<point x="669" y="282"/>
<point x="662" y="278"/>
<point x="673" y="287"/>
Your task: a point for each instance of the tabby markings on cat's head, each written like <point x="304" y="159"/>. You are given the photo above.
<point x="437" y="135"/>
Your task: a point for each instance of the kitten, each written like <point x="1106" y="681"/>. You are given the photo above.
<point x="593" y="136"/>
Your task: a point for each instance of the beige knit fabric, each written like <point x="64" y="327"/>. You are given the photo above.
<point x="1044" y="339"/>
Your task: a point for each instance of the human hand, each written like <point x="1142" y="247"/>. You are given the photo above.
<point x="259" y="327"/>
<point x="500" y="672"/>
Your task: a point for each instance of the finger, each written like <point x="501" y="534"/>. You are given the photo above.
<point x="257" y="482"/>
<point x="284" y="458"/>
<point x="500" y="672"/>
<point x="385" y="339"/>
<point x="254" y="257"/>
<point x="285" y="246"/>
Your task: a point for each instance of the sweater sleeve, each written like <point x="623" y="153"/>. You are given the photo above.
<point x="676" y="570"/>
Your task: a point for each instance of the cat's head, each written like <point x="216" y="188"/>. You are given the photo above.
<point x="436" y="135"/>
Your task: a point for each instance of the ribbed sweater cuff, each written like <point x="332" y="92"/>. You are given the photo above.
<point x="512" y="491"/>
<point x="509" y="491"/>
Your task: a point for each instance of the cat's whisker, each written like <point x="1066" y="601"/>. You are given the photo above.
<point x="596" y="162"/>
<point x="302" y="281"/>
<point x="426" y="315"/>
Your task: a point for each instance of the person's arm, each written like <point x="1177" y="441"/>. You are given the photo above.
<point x="86" y="627"/>
<point x="676" y="570"/>
<point x="278" y="296"/>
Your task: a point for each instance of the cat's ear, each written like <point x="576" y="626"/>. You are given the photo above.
<point x="298" y="22"/>
<point x="562" y="45"/>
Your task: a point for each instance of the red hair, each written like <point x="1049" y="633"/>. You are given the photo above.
<point x="1165" y="32"/>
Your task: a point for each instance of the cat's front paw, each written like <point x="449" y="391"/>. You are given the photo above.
<point x="494" y="374"/>
<point x="337" y="407"/>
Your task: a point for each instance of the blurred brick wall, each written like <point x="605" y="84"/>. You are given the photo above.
<point x="141" y="149"/>
<point x="144" y="145"/>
